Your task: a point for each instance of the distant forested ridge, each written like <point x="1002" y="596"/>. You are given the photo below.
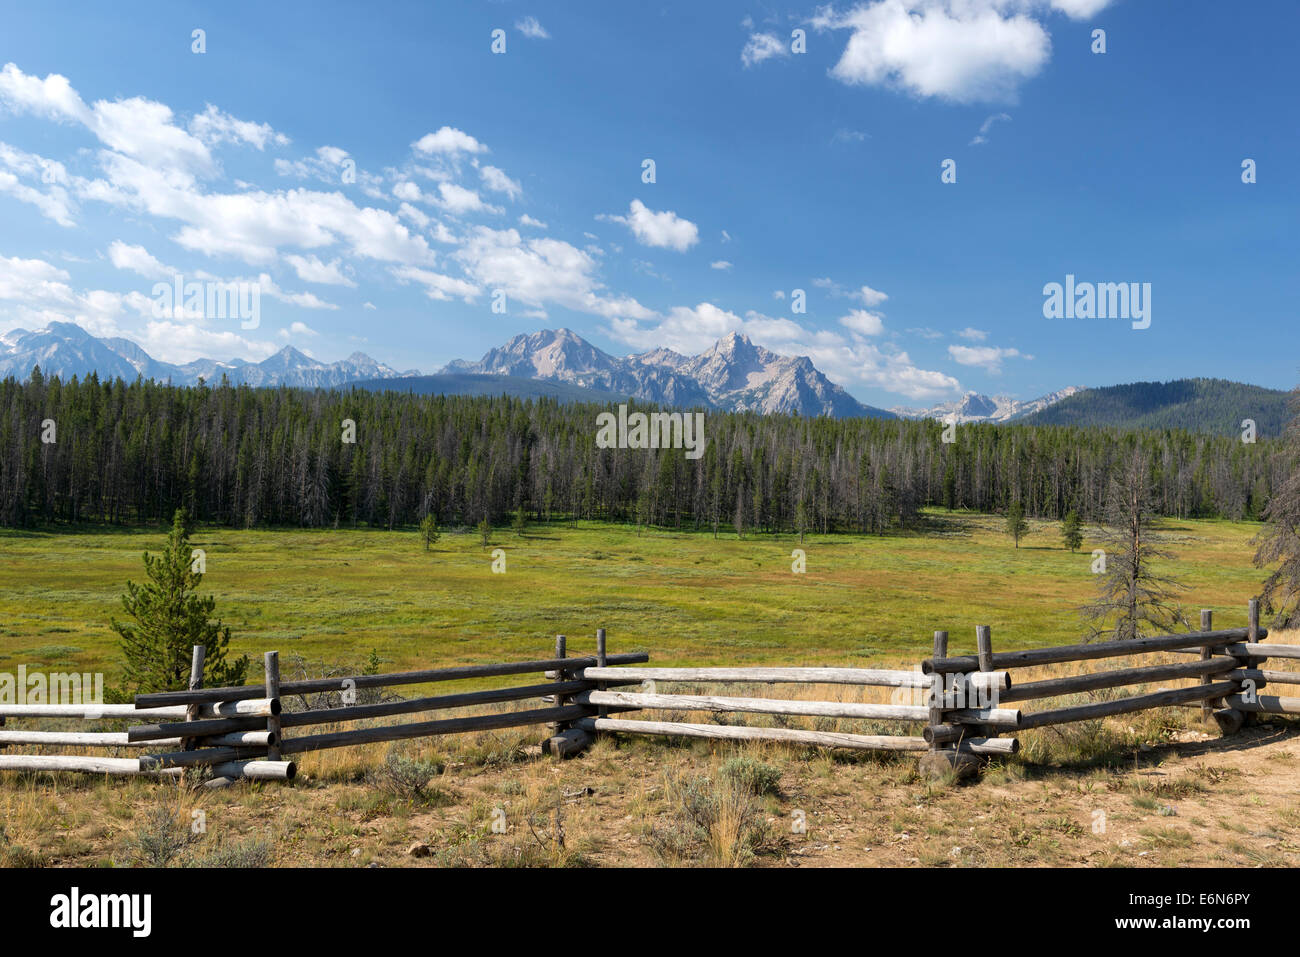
<point x="130" y="453"/>
<point x="1198" y="405"/>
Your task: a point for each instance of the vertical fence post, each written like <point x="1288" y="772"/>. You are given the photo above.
<point x="196" y="682"/>
<point x="1207" y="624"/>
<point x="936" y="692"/>
<point x="601" y="659"/>
<point x="984" y="647"/>
<point x="1252" y="636"/>
<point x="559" y="700"/>
<point x="272" y="663"/>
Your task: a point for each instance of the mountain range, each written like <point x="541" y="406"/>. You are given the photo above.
<point x="733" y="375"/>
<point x="976" y="407"/>
<point x="64" y="349"/>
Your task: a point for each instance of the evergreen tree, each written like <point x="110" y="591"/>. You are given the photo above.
<point x="485" y="532"/>
<point x="1016" y="524"/>
<point x="520" y="522"/>
<point x="1133" y="600"/>
<point x="1072" y="530"/>
<point x="429" y="533"/>
<point x="169" y="619"/>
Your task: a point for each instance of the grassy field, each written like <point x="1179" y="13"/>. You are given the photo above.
<point x="685" y="597"/>
<point x="1166" y="789"/>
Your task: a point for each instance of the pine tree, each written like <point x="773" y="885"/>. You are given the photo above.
<point x="169" y="619"/>
<point x="520" y="522"/>
<point x="429" y="531"/>
<point x="1279" y="541"/>
<point x="1130" y="594"/>
<point x="1016" y="524"/>
<point x="485" y="532"/>
<point x="1072" y="530"/>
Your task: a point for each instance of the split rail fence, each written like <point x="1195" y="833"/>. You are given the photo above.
<point x="963" y="706"/>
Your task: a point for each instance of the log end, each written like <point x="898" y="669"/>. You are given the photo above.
<point x="568" y="743"/>
<point x="948" y="767"/>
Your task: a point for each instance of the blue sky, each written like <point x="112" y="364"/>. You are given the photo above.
<point x="126" y="158"/>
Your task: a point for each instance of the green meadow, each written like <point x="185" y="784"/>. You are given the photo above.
<point x="686" y="597"/>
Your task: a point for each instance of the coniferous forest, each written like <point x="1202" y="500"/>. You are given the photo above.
<point x="131" y="453"/>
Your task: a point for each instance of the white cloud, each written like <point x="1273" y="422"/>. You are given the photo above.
<point x="497" y="181"/>
<point x="180" y="342"/>
<point x="666" y="229"/>
<point x="526" y="220"/>
<point x="762" y="46"/>
<point x="306" y="300"/>
<point x="137" y="259"/>
<point x="538" y="272"/>
<point x="869" y="297"/>
<point x="448" y="141"/>
<point x="971" y="334"/>
<point x="38" y="293"/>
<point x="213" y="126"/>
<point x="311" y="269"/>
<point x="458" y="200"/>
<point x="959" y="50"/>
<point x="982" y="135"/>
<point x="530" y="28"/>
<point x="436" y="285"/>
<point x="987" y="357"/>
<point x="720" y="264"/>
<point x="863" y="322"/>
<point x="408" y="191"/>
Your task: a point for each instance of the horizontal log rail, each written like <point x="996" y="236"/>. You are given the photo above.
<point x="424" y="729"/>
<point x="1053" y="687"/>
<point x="1254" y="649"/>
<point x="1087" y="652"/>
<point x="1264" y="703"/>
<point x="1265" y="676"/>
<point x="789" y="706"/>
<point x="81" y="763"/>
<point x="88" y="712"/>
<point x="316" y="685"/>
<point x="185" y="759"/>
<point x="1104" y="709"/>
<point x="298" y="719"/>
<point x="194" y="729"/>
<point x="87" y="739"/>
<point x="825" y="739"/>
<point x="827" y="676"/>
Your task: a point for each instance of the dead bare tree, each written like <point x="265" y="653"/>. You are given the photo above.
<point x="1133" y="600"/>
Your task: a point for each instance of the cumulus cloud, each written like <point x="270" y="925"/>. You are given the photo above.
<point x="212" y="126"/>
<point x="863" y="322"/>
<point x="311" y="269"/>
<point x="988" y="358"/>
<point x="526" y="220"/>
<point x="541" y="272"/>
<point x="448" y="141"/>
<point x="497" y="181"/>
<point x="721" y="264"/>
<point x="972" y="334"/>
<point x="137" y="259"/>
<point x="760" y="47"/>
<point x="664" y="229"/>
<point x="958" y="50"/>
<point x="458" y="200"/>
